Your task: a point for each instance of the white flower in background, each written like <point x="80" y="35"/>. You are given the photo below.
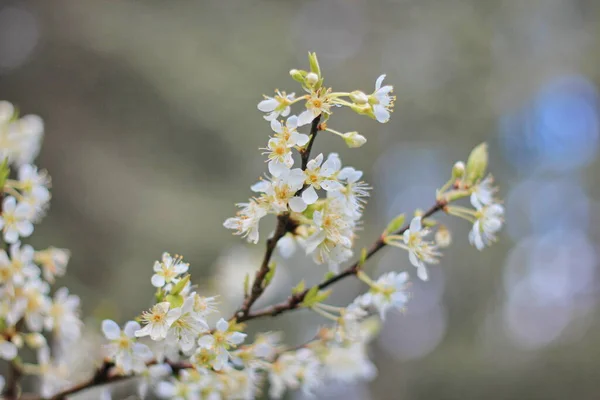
<point x="381" y="101"/>
<point x="37" y="303"/>
<point x="15" y="220"/>
<point x="287" y="245"/>
<point x="7" y="112"/>
<point x="63" y="316"/>
<point x="53" y="262"/>
<point x="26" y="135"/>
<point x="247" y="220"/>
<point x="8" y="350"/>
<point x="34" y="186"/>
<point x="278" y="191"/>
<point x="175" y="389"/>
<point x="389" y="291"/>
<point x="168" y="270"/>
<point x="332" y="226"/>
<point x="277" y="105"/>
<point x="319" y="176"/>
<point x="19" y="267"/>
<point x="187" y="327"/>
<point x="309" y="371"/>
<point x="283" y="374"/>
<point x="220" y="342"/>
<point x="129" y="355"/>
<point x="53" y="373"/>
<point x="348" y="364"/>
<point x="151" y="376"/>
<point x="348" y="327"/>
<point x="489" y="221"/>
<point x="279" y="148"/>
<point x="483" y="193"/>
<point x="158" y="320"/>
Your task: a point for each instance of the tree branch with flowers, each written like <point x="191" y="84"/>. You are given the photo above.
<point x="171" y="348"/>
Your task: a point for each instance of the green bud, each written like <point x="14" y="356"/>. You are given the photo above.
<point x="312" y="79"/>
<point x="359" y="97"/>
<point x="477" y="163"/>
<point x="298" y="75"/>
<point x="394" y="224"/>
<point x="314" y="64"/>
<point x="180" y="285"/>
<point x="354" y="139"/>
<point x="456" y="195"/>
<point x="458" y="170"/>
<point x="329" y="275"/>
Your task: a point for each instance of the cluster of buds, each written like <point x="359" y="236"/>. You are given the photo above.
<point x="182" y="347"/>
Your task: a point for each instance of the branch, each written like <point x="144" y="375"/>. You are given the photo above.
<point x="295" y="300"/>
<point x="103" y="377"/>
<point x="284" y="225"/>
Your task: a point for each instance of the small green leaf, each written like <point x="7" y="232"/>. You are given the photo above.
<point x="310" y="298"/>
<point x="4" y="172"/>
<point x="394" y="225"/>
<point x="314" y="64"/>
<point x="299" y="288"/>
<point x="322" y="295"/>
<point x="269" y="276"/>
<point x="180" y="285"/>
<point x="247" y="285"/>
<point x="176" y="300"/>
<point x="363" y="257"/>
<point x="477" y="163"/>
<point x="329" y="275"/>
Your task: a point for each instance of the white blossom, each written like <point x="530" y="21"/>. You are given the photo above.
<point x="489" y="220"/>
<point x="158" y="321"/>
<point x="483" y="193"/>
<point x="247" y="220"/>
<point x="381" y="101"/>
<point x="168" y="270"/>
<point x="220" y="342"/>
<point x="277" y="191"/>
<point x="15" y="220"/>
<point x="389" y="291"/>
<point x="277" y="105"/>
<point x="34" y="186"/>
<point x="348" y="364"/>
<point x="319" y="176"/>
<point x="123" y="348"/>
<point x="185" y="329"/>
<point x="63" y="316"/>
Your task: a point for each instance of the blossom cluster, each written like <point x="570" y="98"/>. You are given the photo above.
<point x="324" y="199"/>
<point x="182" y="347"/>
<point x="31" y="314"/>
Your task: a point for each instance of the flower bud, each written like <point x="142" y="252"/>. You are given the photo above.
<point x="312" y="79"/>
<point x="458" y="170"/>
<point x="354" y="139"/>
<point x="17" y="340"/>
<point x="359" y="97"/>
<point x="35" y="340"/>
<point x="314" y="64"/>
<point x="477" y="163"/>
<point x="443" y="238"/>
<point x="298" y="75"/>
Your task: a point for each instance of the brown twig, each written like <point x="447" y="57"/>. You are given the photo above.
<point x="296" y="299"/>
<point x="284" y="225"/>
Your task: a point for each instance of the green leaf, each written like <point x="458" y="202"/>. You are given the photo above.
<point x="180" y="285"/>
<point x="363" y="256"/>
<point x="322" y="295"/>
<point x="311" y="296"/>
<point x="477" y="163"/>
<point x="314" y="64"/>
<point x="299" y="288"/>
<point x="329" y="275"/>
<point x="4" y="172"/>
<point x="394" y="224"/>
<point x="269" y="276"/>
<point x="247" y="285"/>
<point x="176" y="300"/>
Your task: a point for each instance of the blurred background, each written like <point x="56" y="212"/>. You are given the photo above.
<point x="152" y="135"/>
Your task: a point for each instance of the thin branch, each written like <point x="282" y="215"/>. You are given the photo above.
<point x="295" y="300"/>
<point x="284" y="225"/>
